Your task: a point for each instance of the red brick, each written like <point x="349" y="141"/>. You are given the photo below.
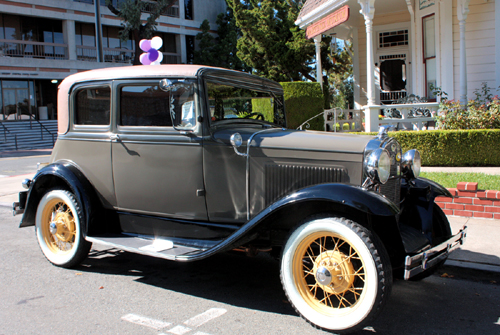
<point x="471" y="187"/>
<point x="453" y="191"/>
<point x="463" y="213"/>
<point x="492" y="194"/>
<point x="483" y="202"/>
<point x="483" y="215"/>
<point x="455" y="206"/>
<point x="440" y="204"/>
<point x="450" y="212"/>
<point x="495" y="216"/>
<point x="474" y="208"/>
<point x="481" y="194"/>
<point x="492" y="209"/>
<point x="496" y="203"/>
<point x="466" y="194"/>
<point x="444" y="199"/>
<point x="462" y="186"/>
<point x="463" y="201"/>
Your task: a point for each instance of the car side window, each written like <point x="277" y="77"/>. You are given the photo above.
<point x="145" y="105"/>
<point x="93" y="106"/>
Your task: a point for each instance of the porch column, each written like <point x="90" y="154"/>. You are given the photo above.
<point x="371" y="111"/>
<point x="462" y="11"/>
<point x="319" y="70"/>
<point x="368" y="11"/>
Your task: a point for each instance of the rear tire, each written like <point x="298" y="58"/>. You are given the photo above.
<point x="336" y="274"/>
<point x="58" y="228"/>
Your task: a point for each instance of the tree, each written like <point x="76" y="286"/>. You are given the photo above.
<point x="271" y="43"/>
<point x="221" y="50"/>
<point x="340" y="76"/>
<point x="130" y="11"/>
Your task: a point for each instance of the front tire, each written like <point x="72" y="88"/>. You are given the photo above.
<point x="336" y="274"/>
<point x="58" y="227"/>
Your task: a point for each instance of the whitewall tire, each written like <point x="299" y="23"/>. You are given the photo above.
<point x="58" y="227"/>
<point x="336" y="274"/>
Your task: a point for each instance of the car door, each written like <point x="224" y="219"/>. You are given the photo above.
<point x="157" y="170"/>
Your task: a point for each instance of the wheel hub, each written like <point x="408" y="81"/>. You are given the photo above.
<point x="334" y="271"/>
<point x="62" y="226"/>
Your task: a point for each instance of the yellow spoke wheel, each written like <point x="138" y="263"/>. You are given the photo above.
<point x="58" y="229"/>
<point x="336" y="273"/>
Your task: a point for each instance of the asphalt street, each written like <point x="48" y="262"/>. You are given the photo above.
<point x="115" y="292"/>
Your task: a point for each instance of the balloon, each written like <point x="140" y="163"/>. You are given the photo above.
<point x="145" y="45"/>
<point x="144" y="58"/>
<point x="160" y="57"/>
<point x="156" y="42"/>
<point x="153" y="55"/>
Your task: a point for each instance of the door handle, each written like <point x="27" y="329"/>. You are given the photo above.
<point x="114" y="137"/>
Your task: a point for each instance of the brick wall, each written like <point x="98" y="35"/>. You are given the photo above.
<point x="468" y="201"/>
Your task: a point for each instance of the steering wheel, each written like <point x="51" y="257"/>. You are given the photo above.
<point x="259" y="115"/>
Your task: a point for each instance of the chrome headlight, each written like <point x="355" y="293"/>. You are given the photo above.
<point x="411" y="164"/>
<point x="378" y="166"/>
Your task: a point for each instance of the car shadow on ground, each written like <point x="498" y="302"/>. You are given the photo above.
<point x="439" y="304"/>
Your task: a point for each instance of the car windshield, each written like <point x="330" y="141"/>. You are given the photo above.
<point x="231" y="102"/>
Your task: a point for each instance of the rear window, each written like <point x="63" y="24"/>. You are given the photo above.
<point x="92" y="106"/>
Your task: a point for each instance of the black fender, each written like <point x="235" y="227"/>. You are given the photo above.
<point x="418" y="204"/>
<point x="380" y="212"/>
<point x="60" y="175"/>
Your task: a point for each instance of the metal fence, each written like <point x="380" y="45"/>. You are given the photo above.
<point x="30" y="49"/>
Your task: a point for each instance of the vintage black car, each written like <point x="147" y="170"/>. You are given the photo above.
<point x="183" y="162"/>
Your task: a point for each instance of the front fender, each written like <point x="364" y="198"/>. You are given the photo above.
<point x="59" y="175"/>
<point x="358" y="199"/>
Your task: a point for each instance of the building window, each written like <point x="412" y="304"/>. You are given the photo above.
<point x="190" y="49"/>
<point x="429" y="49"/>
<point x="188" y="10"/>
<point x="393" y="38"/>
<point x="85" y="34"/>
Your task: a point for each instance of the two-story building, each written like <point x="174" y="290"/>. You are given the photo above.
<point x="43" y="41"/>
<point x="403" y="47"/>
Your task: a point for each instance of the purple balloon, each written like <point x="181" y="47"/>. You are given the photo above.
<point x="153" y="54"/>
<point x="144" y="58"/>
<point x="145" y="45"/>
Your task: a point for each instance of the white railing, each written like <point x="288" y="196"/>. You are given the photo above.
<point x="338" y="120"/>
<point x="343" y="120"/>
<point x="392" y="95"/>
<point x="409" y="122"/>
<point x="30" y="49"/>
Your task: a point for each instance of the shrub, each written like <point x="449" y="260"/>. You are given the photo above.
<point x="303" y="100"/>
<point x="452" y="147"/>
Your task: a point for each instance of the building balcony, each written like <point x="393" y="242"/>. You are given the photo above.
<point x="30" y="49"/>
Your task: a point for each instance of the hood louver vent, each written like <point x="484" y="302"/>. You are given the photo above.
<point x="282" y="179"/>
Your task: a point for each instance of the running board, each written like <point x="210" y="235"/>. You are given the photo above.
<point x="159" y="248"/>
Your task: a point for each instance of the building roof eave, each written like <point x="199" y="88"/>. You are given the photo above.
<point x="319" y="12"/>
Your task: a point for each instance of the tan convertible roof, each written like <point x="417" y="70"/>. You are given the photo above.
<point x="139" y="71"/>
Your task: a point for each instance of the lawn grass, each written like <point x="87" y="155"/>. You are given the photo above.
<point x="450" y="179"/>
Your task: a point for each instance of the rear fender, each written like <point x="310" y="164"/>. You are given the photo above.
<point x="60" y="175"/>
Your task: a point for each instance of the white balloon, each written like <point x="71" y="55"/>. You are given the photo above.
<point x="160" y="57"/>
<point x="156" y="42"/>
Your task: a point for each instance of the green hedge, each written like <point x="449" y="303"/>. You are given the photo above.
<point x="453" y="147"/>
<point x="303" y="100"/>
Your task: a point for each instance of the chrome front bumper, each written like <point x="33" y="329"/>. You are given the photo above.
<point x="419" y="263"/>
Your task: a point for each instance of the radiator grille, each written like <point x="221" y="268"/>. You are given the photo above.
<point x="282" y="179"/>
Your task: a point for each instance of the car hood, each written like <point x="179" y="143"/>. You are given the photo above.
<point x="311" y="141"/>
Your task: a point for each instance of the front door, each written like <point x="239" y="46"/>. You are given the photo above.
<point x="16" y="103"/>
<point x="157" y="170"/>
